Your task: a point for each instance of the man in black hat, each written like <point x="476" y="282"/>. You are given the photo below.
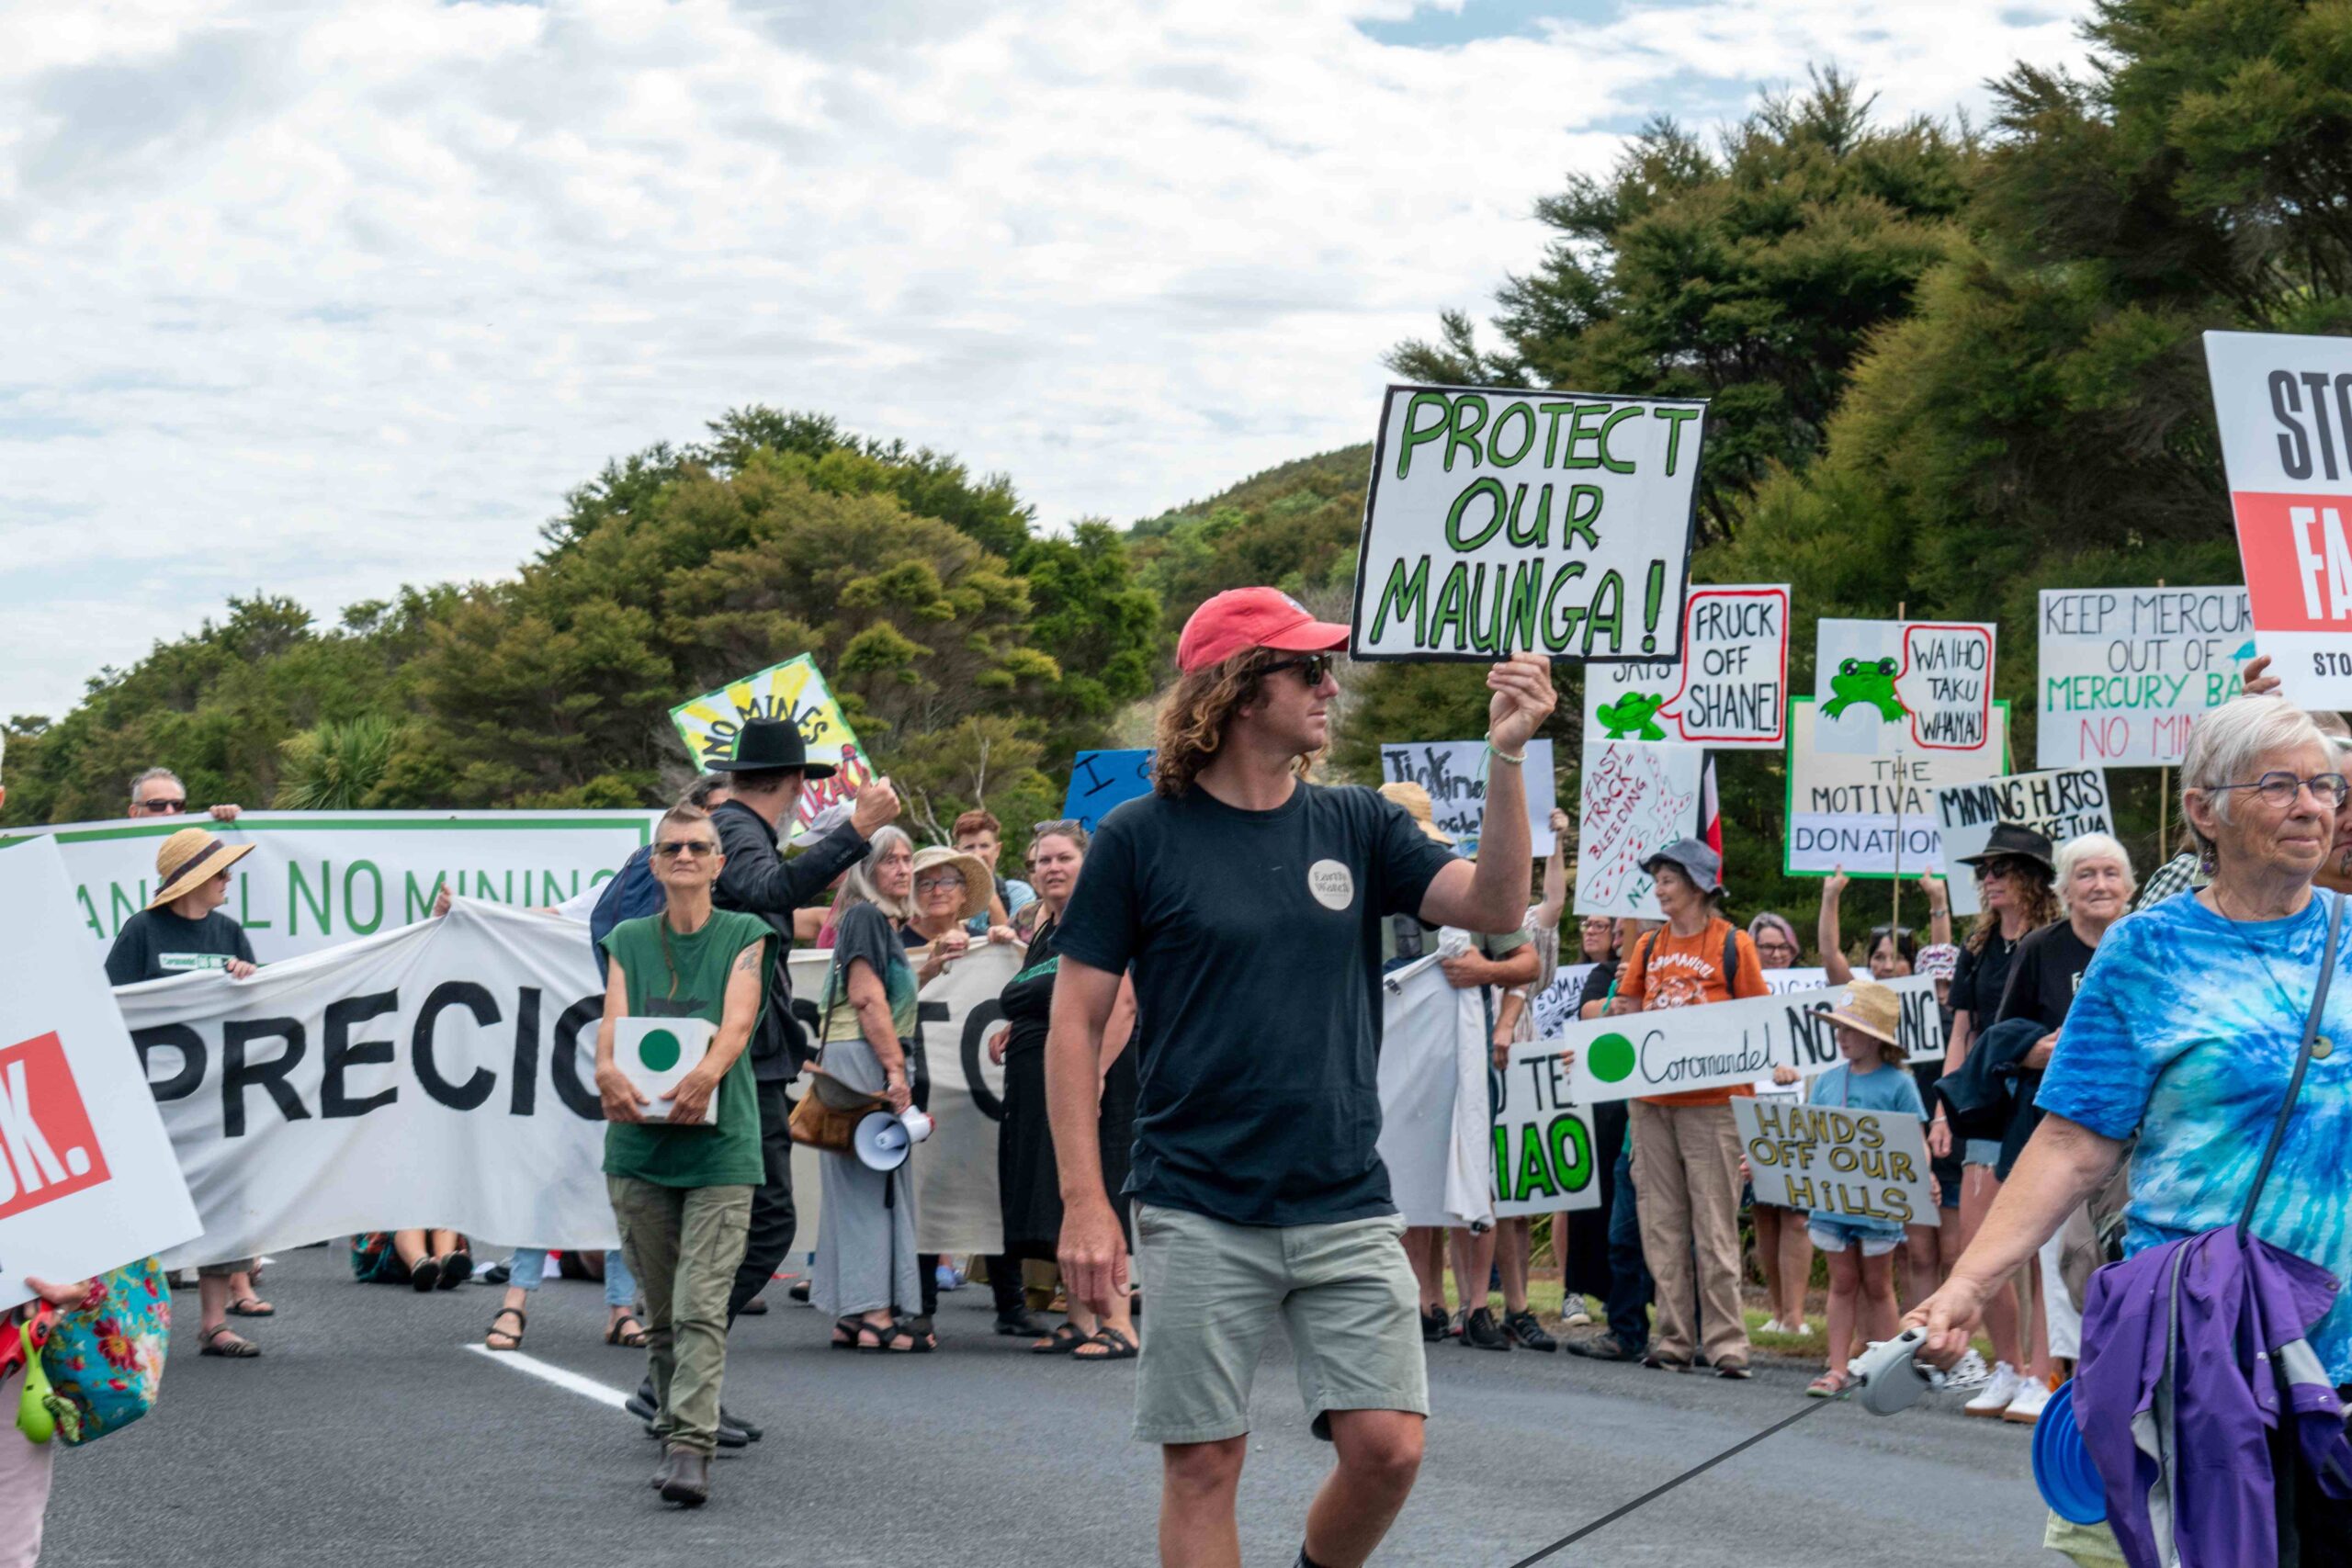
<point x="764" y="775"/>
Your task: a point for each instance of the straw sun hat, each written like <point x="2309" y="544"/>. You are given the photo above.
<point x="1416" y="805"/>
<point x="1871" y="1008"/>
<point x="978" y="886"/>
<point x="189" y="859"/>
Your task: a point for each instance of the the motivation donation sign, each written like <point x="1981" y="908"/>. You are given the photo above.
<point x="1883" y="687"/>
<point x="1729" y="689"/>
<point x="2059" y="804"/>
<point x="2126" y="671"/>
<point x="1502" y="522"/>
<point x="1873" y="816"/>
<point x="1861" y="1165"/>
<point x="792" y="690"/>
<point x="1455" y="773"/>
<point x="2285" y="409"/>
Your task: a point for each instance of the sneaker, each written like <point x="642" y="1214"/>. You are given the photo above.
<point x="2000" y="1390"/>
<point x="1523" y="1328"/>
<point x="1771" y="1326"/>
<point x="1436" y="1324"/>
<point x="1658" y="1363"/>
<point x="1479" y="1331"/>
<point x="2026" y="1408"/>
<point x="1733" y="1370"/>
<point x="1604" y="1347"/>
<point x="1576" y="1316"/>
<point x="950" y="1277"/>
<point x="1969" y="1372"/>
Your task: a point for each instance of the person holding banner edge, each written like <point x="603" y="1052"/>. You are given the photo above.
<point x="1248" y="902"/>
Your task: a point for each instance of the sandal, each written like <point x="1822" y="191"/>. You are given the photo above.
<point x="425" y="1275"/>
<point x="251" y="1306"/>
<point x="514" y="1338"/>
<point x="1064" y="1339"/>
<point x="1828" y="1385"/>
<point x="455" y="1269"/>
<point x="218" y="1340"/>
<point x="846" y="1331"/>
<point x="907" y="1337"/>
<point x="1115" y="1347"/>
<point x="625" y="1332"/>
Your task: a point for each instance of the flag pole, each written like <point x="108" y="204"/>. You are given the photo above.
<point x="1894" y="917"/>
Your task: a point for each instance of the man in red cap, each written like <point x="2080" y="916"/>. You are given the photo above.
<point x="1249" y="904"/>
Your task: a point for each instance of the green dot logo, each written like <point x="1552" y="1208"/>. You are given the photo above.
<point x="658" y="1050"/>
<point x="1612" y="1059"/>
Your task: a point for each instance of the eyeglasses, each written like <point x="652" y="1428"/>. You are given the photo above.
<point x="159" y="808"/>
<point x="948" y="879"/>
<point x="2281" y="789"/>
<point x="1312" y="668"/>
<point x="684" y="847"/>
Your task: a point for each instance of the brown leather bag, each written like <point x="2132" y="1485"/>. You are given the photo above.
<point x="830" y="1110"/>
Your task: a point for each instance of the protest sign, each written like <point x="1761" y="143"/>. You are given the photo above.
<point x="792" y="690"/>
<point x="2059" y="804"/>
<point x="2285" y="408"/>
<point x="1858" y="1165"/>
<point x="1634" y="800"/>
<point x="1628" y="1055"/>
<point x="1455" y="772"/>
<point x="1553" y="1007"/>
<point x="87" y="1177"/>
<point x="1433" y="1074"/>
<point x="2126" y="671"/>
<point x="1883" y="687"/>
<point x="1544" y="1162"/>
<point x="1846" y="809"/>
<point x="1729" y="689"/>
<point x="1101" y="780"/>
<point x="1502" y="522"/>
<point x="1783" y="982"/>
<point x="319" y="878"/>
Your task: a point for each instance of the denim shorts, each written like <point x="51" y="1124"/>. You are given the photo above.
<point x="1835" y="1233"/>
<point x="1985" y="1152"/>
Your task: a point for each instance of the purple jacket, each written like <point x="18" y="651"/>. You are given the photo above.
<point x="2193" y="1352"/>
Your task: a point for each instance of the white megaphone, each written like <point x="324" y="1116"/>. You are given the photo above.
<point x="884" y="1140"/>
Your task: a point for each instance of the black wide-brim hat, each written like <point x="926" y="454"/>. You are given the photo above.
<point x="2009" y="839"/>
<point x="765" y="745"/>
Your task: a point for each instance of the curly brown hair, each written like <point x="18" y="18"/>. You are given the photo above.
<point x="1199" y="710"/>
<point x="2041" y="908"/>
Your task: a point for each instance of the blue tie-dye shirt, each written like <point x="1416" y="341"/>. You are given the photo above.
<point x="2186" y="1030"/>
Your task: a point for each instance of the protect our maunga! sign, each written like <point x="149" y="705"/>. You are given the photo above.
<point x="319" y="878"/>
<point x="1729" y="689"/>
<point x="2285" y="409"/>
<point x="2126" y="673"/>
<point x="1501" y="522"/>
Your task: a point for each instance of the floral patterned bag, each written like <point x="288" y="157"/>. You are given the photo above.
<point x="104" y="1355"/>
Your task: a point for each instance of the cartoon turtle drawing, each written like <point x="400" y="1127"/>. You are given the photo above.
<point x="1867" y="680"/>
<point x="1628" y="718"/>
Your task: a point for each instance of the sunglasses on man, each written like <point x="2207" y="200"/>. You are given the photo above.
<point x="1313" y="667"/>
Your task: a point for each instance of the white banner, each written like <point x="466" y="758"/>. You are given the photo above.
<point x="1887" y="687"/>
<point x="1730" y="689"/>
<point x="2284" y="405"/>
<point x="1858" y="1165"/>
<point x="1634" y="800"/>
<point x="1508" y="521"/>
<point x="1849" y="811"/>
<point x="2059" y="804"/>
<point x="2126" y="673"/>
<point x="316" y="879"/>
<point x="1631" y="1055"/>
<point x="1543" y="1145"/>
<point x="1455" y="773"/>
<point x="87" y="1180"/>
<point x="1433" y="1118"/>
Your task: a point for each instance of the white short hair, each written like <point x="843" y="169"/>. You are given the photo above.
<point x="2092" y="846"/>
<point x="2230" y="739"/>
<point x="149" y="776"/>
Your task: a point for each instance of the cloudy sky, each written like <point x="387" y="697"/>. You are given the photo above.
<point x="322" y="298"/>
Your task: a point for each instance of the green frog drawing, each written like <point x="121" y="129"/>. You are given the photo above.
<point x="1870" y="682"/>
<point x="1628" y="718"/>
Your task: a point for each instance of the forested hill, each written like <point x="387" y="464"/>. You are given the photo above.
<point x="1947" y="366"/>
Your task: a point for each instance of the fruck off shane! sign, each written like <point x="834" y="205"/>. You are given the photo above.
<point x="1504" y="522"/>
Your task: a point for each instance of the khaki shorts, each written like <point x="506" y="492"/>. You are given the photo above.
<point x="1344" y="1291"/>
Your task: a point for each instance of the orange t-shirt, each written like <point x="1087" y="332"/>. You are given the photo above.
<point x="1687" y="971"/>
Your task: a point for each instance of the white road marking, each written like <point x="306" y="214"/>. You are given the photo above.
<point x="587" y="1388"/>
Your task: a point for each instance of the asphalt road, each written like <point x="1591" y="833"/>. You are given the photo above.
<point x="372" y="1433"/>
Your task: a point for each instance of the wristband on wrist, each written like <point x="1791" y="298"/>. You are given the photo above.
<point x="1499" y="755"/>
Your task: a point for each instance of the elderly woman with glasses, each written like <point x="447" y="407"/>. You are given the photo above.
<point x="1028" y="1180"/>
<point x="2185" y="1034"/>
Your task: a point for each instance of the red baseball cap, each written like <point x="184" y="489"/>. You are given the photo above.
<point x="1242" y="618"/>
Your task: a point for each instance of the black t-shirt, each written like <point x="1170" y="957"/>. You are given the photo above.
<point x="1979" y="979"/>
<point x="1598" y="984"/>
<point x="2045" y="973"/>
<point x="157" y="943"/>
<point x="1028" y="998"/>
<point x="1255" y="941"/>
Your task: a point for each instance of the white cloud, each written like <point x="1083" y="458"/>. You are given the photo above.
<point x="320" y="300"/>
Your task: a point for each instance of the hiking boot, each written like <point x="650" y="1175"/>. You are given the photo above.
<point x="685" y="1478"/>
<point x="1435" y="1325"/>
<point x="1479" y="1331"/>
<point x="1604" y="1347"/>
<point x="1728" y="1368"/>
<point x="1659" y="1363"/>
<point x="1522" y="1327"/>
